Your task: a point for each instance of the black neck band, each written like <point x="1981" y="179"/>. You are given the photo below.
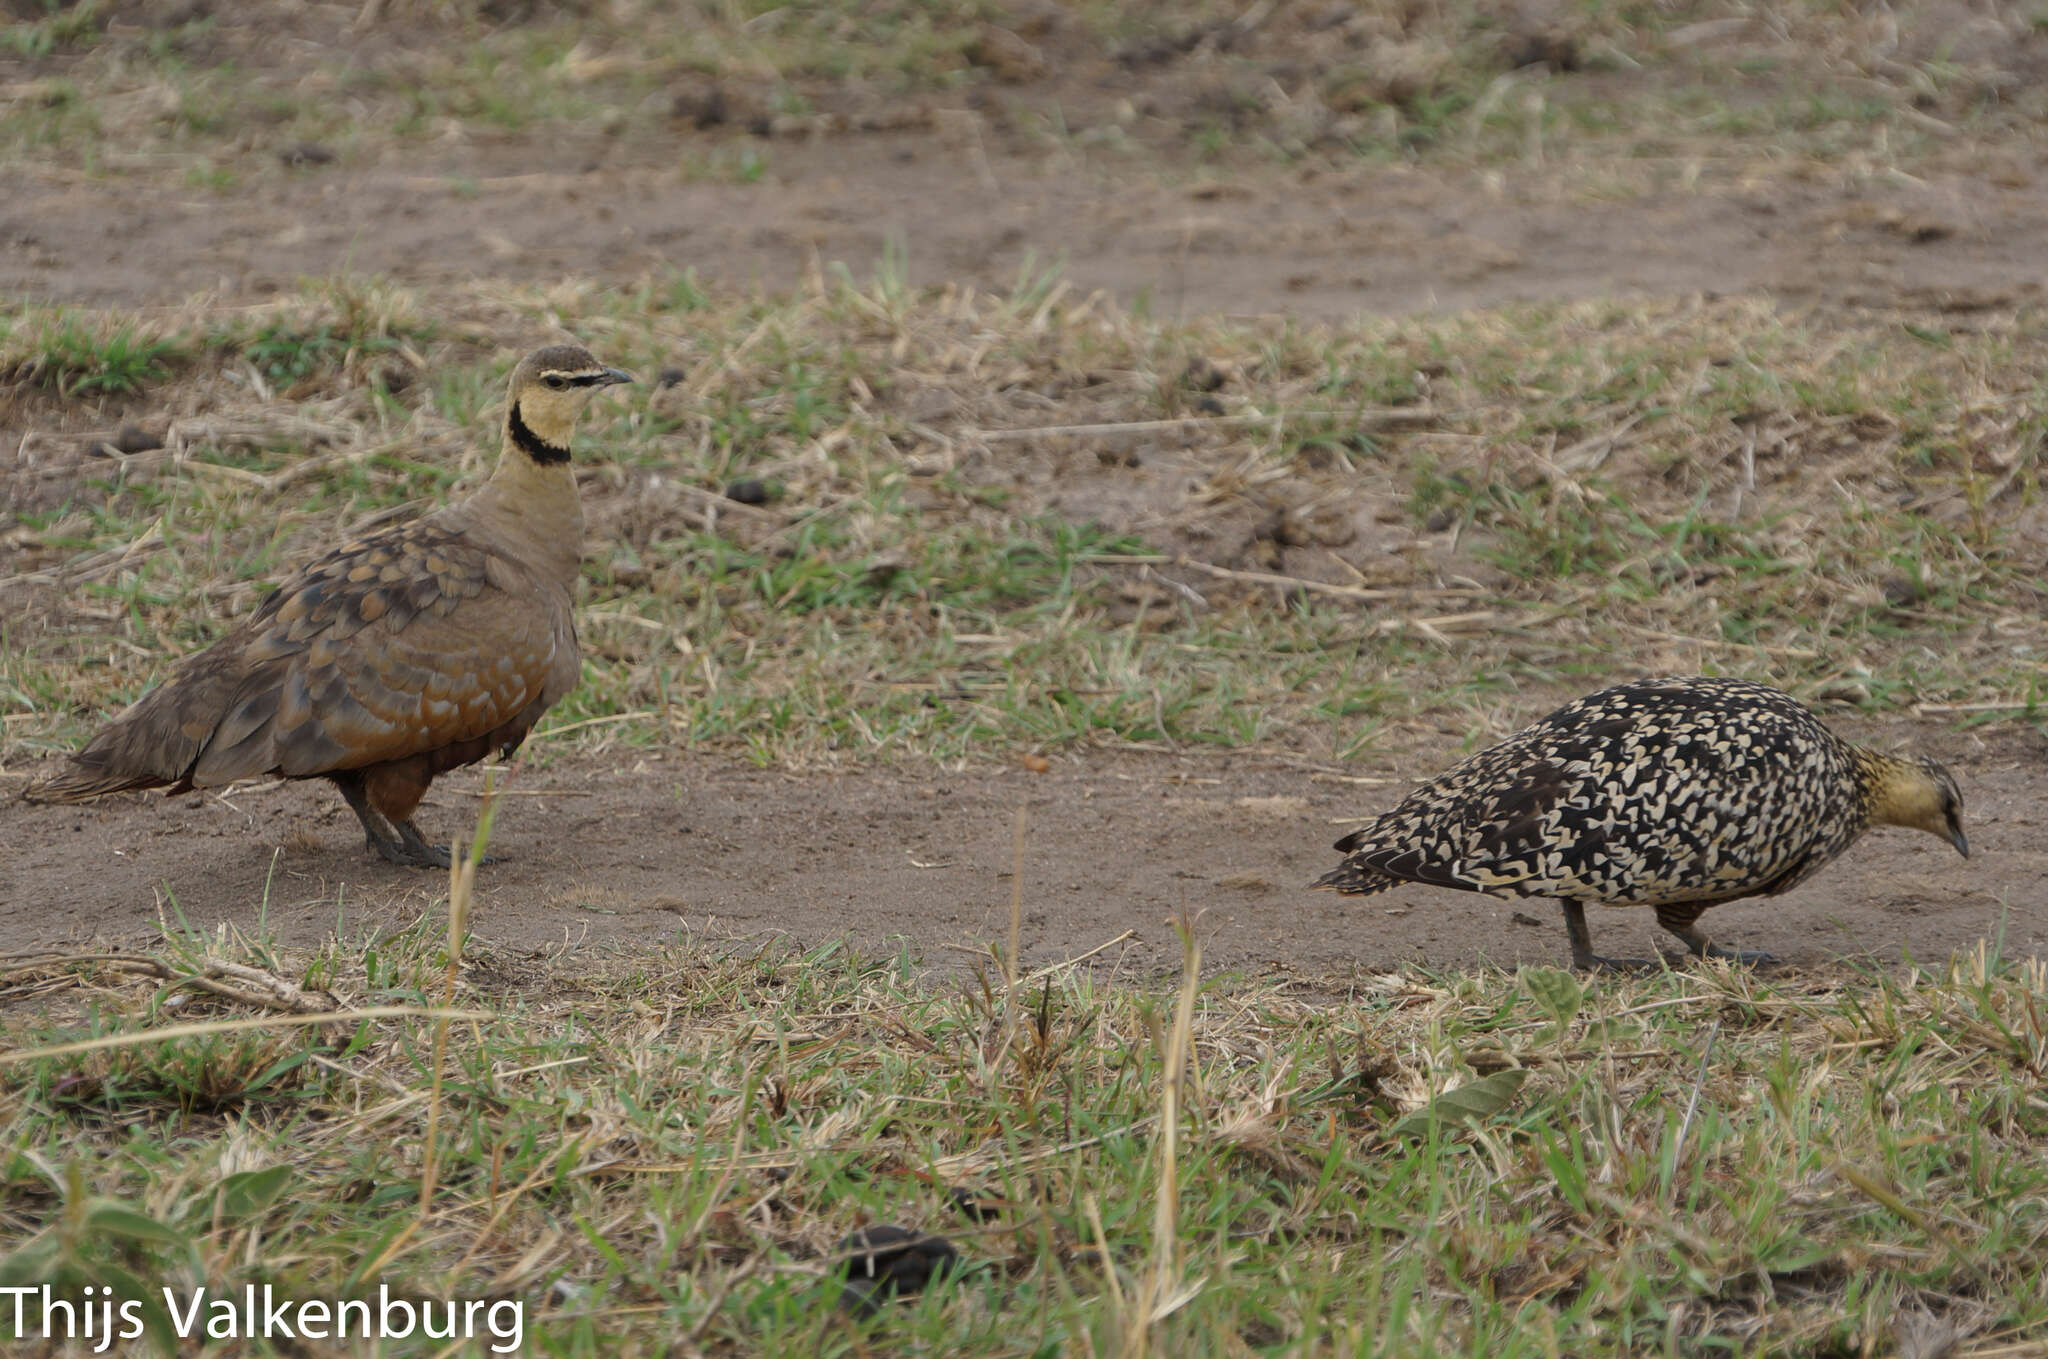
<point x="531" y="444"/>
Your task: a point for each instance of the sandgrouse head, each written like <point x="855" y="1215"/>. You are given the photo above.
<point x="547" y="392"/>
<point x="1922" y="794"/>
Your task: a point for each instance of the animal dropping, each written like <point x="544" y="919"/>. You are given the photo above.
<point x="1677" y="793"/>
<point x="394" y="658"/>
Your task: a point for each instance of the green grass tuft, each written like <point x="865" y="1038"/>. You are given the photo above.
<point x="1690" y="487"/>
<point x="72" y="356"/>
<point x="1487" y="1164"/>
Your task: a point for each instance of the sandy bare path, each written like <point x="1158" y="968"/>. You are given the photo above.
<point x="595" y="855"/>
<point x="1325" y="244"/>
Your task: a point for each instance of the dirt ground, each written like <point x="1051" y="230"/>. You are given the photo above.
<point x="1085" y="158"/>
<point x="1319" y="243"/>
<point x="1117" y="847"/>
<point x="596" y="855"/>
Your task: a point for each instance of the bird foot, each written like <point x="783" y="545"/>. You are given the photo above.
<point x="407" y="856"/>
<point x="1699" y="946"/>
<point x="411" y="850"/>
<point x="1594" y="962"/>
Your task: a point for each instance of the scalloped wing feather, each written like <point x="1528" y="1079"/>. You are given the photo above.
<point x="391" y="646"/>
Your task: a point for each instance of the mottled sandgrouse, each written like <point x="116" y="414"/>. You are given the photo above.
<point x="1674" y="793"/>
<point x="394" y="658"/>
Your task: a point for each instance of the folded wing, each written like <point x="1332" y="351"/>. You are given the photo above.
<point x="389" y="647"/>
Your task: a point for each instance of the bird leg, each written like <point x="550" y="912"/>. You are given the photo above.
<point x="378" y="833"/>
<point x="398" y="842"/>
<point x="1583" y="957"/>
<point x="416" y="849"/>
<point x="1698" y="945"/>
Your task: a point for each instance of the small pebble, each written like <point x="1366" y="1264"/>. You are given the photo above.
<point x="1903" y="591"/>
<point x="1205" y="374"/>
<point x="301" y="154"/>
<point x="133" y="439"/>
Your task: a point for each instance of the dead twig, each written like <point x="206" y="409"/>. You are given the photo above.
<point x="216" y="978"/>
<point x="211" y="1026"/>
<point x="1378" y="420"/>
<point x="1317" y="587"/>
<point x="1437" y="629"/>
<point x="1717" y="644"/>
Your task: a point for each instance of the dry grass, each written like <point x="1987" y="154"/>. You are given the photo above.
<point x="1618" y="99"/>
<point x="1036" y="519"/>
<point x="670" y="1145"/>
<point x="1024" y="520"/>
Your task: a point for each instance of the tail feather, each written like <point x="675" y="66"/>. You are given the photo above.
<point x="154" y="744"/>
<point x="82" y="781"/>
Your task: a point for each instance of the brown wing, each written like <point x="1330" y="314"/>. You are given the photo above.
<point x="405" y="642"/>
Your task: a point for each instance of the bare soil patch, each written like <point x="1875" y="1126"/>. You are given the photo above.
<point x="976" y="193"/>
<point x="596" y="855"/>
<point x="1316" y="242"/>
<point x="1311" y="160"/>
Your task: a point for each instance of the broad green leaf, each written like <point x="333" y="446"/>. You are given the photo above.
<point x="1611" y="1031"/>
<point x="32" y="1265"/>
<point x="116" y="1220"/>
<point x="1482" y="1098"/>
<point x="251" y="1191"/>
<point x="156" y="1321"/>
<point x="1559" y="993"/>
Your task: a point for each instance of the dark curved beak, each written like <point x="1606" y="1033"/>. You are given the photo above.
<point x="1959" y="840"/>
<point x="613" y="376"/>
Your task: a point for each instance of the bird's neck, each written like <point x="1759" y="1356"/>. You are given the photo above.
<point x="543" y="444"/>
<point x="1888" y="798"/>
<point x="534" y="502"/>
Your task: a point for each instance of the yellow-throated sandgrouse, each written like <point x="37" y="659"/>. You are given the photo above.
<point x="394" y="658"/>
<point x="1676" y="793"/>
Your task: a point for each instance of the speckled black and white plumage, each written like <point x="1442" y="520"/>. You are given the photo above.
<point x="1675" y="793"/>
